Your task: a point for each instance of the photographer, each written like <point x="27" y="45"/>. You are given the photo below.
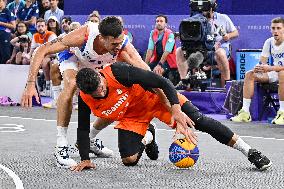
<point x="21" y="50"/>
<point x="223" y="30"/>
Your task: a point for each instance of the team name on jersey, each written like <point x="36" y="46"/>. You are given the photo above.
<point x="121" y="100"/>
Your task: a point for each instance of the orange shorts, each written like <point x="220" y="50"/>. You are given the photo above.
<point x="137" y="119"/>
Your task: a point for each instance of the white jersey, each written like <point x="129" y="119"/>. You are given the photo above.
<point x="277" y="52"/>
<point x="88" y="57"/>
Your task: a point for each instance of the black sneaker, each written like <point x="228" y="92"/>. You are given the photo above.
<point x="151" y="149"/>
<point x="260" y="161"/>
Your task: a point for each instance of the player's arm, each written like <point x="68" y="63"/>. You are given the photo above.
<point x="83" y="138"/>
<point x="129" y="75"/>
<point x="73" y="39"/>
<point x="130" y="55"/>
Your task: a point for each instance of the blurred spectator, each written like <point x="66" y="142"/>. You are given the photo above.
<point x="7" y="23"/>
<point x="42" y="36"/>
<point x="161" y="52"/>
<point x="74" y="26"/>
<point x="15" y="6"/>
<point x="125" y="31"/>
<point x="65" y="24"/>
<point x="94" y="17"/>
<point x="20" y="55"/>
<point x="53" y="25"/>
<point x="54" y="11"/>
<point x="28" y="15"/>
<point x="21" y="29"/>
<point x="44" y="6"/>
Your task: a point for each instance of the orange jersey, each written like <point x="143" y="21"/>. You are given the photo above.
<point x="133" y="106"/>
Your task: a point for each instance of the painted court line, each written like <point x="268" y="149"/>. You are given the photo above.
<point x="16" y="179"/>
<point x="278" y="139"/>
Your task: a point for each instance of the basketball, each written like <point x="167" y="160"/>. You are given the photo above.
<point x="183" y="154"/>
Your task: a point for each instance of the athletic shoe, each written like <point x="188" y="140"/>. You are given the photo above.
<point x="152" y="149"/>
<point x="62" y="157"/>
<point x="279" y="119"/>
<point x="46" y="92"/>
<point x="97" y="148"/>
<point x="241" y="117"/>
<point x="73" y="151"/>
<point x="50" y="105"/>
<point x="260" y="161"/>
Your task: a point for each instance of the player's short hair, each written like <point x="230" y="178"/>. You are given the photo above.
<point x="278" y="20"/>
<point x="88" y="80"/>
<point x="110" y="26"/>
<point x="163" y="16"/>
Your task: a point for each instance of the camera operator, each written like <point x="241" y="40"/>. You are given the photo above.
<point x="224" y="30"/>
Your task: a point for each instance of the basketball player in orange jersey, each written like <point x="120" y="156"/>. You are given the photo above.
<point x="96" y="46"/>
<point x="123" y="93"/>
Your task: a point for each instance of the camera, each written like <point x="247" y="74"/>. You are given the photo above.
<point x="23" y="39"/>
<point x="197" y="39"/>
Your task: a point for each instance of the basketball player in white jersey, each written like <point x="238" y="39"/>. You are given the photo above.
<point x="96" y="46"/>
<point x="265" y="73"/>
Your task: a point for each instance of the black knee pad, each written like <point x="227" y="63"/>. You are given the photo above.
<point x="208" y="125"/>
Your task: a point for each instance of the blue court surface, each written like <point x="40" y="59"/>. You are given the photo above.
<point x="28" y="137"/>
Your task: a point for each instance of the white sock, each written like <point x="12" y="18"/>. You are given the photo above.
<point x="56" y="91"/>
<point x="94" y="132"/>
<point x="242" y="146"/>
<point x="281" y="103"/>
<point x="148" y="138"/>
<point x="246" y="104"/>
<point x="62" y="136"/>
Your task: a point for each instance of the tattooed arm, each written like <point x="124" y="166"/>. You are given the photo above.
<point x="73" y="39"/>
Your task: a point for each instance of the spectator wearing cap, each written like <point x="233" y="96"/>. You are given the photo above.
<point x="28" y="15"/>
<point x="7" y="23"/>
<point x="16" y="5"/>
<point x="53" y="25"/>
<point x="54" y="11"/>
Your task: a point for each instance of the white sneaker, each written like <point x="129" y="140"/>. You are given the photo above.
<point x="62" y="157"/>
<point x="97" y="147"/>
<point x="50" y="105"/>
<point x="46" y="92"/>
<point x="73" y="151"/>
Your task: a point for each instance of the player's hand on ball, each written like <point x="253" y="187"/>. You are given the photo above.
<point x="86" y="164"/>
<point x="190" y="136"/>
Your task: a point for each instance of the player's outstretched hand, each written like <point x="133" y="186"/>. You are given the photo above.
<point x="29" y="92"/>
<point x="181" y="118"/>
<point x="190" y="136"/>
<point x="86" y="164"/>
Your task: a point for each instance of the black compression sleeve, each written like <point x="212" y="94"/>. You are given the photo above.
<point x="128" y="75"/>
<point x="83" y="129"/>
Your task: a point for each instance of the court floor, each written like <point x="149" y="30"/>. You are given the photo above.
<point x="27" y="140"/>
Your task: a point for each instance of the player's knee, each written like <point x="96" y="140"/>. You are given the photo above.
<point x="130" y="161"/>
<point x="220" y="53"/>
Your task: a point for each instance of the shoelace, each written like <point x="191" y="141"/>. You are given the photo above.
<point x="64" y="152"/>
